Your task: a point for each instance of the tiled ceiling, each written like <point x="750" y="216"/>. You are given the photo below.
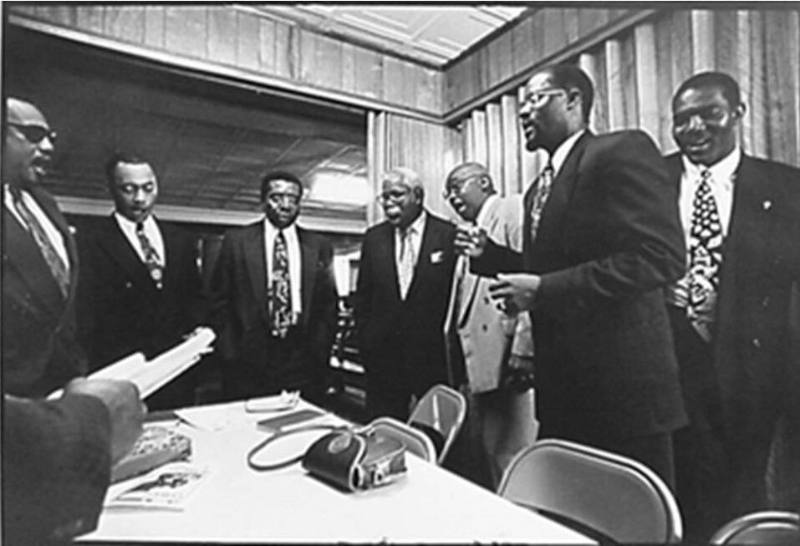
<point x="433" y="34"/>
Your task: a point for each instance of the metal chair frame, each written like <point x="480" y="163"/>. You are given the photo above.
<point x="429" y="412"/>
<point x="417" y="442"/>
<point x="765" y="527"/>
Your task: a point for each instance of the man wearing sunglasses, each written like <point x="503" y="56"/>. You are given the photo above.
<point x="731" y="311"/>
<point x="40" y="266"/>
<point x="601" y="241"/>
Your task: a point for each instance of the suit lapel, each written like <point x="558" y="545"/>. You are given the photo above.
<point x="308" y="267"/>
<point x="50" y="208"/>
<point x="114" y="243"/>
<point x="254" y="246"/>
<point x="429" y="235"/>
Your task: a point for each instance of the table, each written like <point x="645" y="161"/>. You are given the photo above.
<point x="235" y="504"/>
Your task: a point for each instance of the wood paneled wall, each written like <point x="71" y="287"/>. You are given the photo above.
<point x="253" y="44"/>
<point x="637" y="71"/>
<point x="430" y="149"/>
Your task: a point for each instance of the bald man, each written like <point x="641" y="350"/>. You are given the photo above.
<point x="401" y="297"/>
<point x="40" y="266"/>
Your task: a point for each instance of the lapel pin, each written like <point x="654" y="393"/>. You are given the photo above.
<point x="767" y="204"/>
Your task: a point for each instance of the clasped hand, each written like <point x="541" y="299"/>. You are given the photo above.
<point x="515" y="292"/>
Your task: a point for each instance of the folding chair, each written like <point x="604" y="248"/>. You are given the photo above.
<point x="416" y="441"/>
<point x="767" y="527"/>
<point x="441" y="410"/>
<point x="612" y="495"/>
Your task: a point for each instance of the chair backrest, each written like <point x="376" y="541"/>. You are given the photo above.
<point x="443" y="409"/>
<point x="415" y="441"/>
<point x="767" y="527"/>
<point x="616" y="496"/>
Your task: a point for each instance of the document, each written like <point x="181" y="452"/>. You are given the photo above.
<point x="151" y="375"/>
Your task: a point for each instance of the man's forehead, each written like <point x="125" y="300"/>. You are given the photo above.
<point x="134" y="173"/>
<point x="701" y="94"/>
<point x="283" y="186"/>
<point x="24" y="113"/>
<point x="539" y="80"/>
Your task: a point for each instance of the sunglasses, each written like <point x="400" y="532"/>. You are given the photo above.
<point x="35" y="133"/>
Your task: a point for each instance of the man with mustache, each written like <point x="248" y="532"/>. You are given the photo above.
<point x="273" y="297"/>
<point x="140" y="287"/>
<point x="731" y="311"/>
<point x="601" y="241"/>
<point x="401" y="297"/>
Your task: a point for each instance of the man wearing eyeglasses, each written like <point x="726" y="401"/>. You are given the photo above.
<point x="274" y="300"/>
<point x="601" y="241"/>
<point x="731" y="311"/>
<point x="140" y="288"/>
<point x="40" y="265"/>
<point x="401" y="297"/>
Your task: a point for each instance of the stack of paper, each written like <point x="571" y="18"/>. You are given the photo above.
<point x="151" y="375"/>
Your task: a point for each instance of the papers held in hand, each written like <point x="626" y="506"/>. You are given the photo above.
<point x="151" y="375"/>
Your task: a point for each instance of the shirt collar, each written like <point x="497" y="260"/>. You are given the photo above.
<point x="484" y="212"/>
<point x="148" y="223"/>
<point x="563" y="150"/>
<point x="271" y="231"/>
<point x="418" y="225"/>
<point x="722" y="170"/>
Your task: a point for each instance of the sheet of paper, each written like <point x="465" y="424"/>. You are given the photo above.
<point x="151" y="375"/>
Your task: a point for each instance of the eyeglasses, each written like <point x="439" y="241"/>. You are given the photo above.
<point x="35" y="133"/>
<point x="538" y="98"/>
<point x="457" y="189"/>
<point x="279" y="198"/>
<point x="392" y="195"/>
<point x="711" y="115"/>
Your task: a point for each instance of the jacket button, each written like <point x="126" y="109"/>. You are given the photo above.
<point x="765" y="301"/>
<point x="756" y="343"/>
<point x="484" y="328"/>
<point x="129" y="284"/>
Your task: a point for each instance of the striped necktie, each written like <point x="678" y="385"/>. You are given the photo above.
<point x="407" y="261"/>
<point x="57" y="266"/>
<point x="281" y="291"/>
<point x="544" y="183"/>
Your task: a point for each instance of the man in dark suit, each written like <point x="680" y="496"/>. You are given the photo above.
<point x="601" y="240"/>
<point x="401" y="297"/>
<point x="40" y="264"/>
<point x="58" y="454"/>
<point x="140" y="287"/>
<point x="730" y="312"/>
<point x="274" y="299"/>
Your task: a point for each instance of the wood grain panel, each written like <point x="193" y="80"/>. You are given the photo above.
<point x="479" y="144"/>
<point x="154" y="26"/>
<point x="186" y="30"/>
<point x="247" y="41"/>
<point x="222" y="32"/>
<point x="744" y="72"/>
<point x="328" y="63"/>
<point x="590" y="20"/>
<point x="759" y="100"/>
<point x="646" y="84"/>
<point x="494" y="148"/>
<point x="629" y="83"/>
<point x="781" y="71"/>
<point x="666" y="84"/>
<point x="267" y="36"/>
<point x="90" y="18"/>
<point x="125" y="23"/>
<point x="524" y="40"/>
<point x="555" y="34"/>
<point x="509" y="113"/>
<point x="681" y="51"/>
<point x="59" y="13"/>
<point x="614" y="85"/>
<point x="287" y="51"/>
<point x="369" y="73"/>
<point x="702" y="40"/>
<point x="726" y="46"/>
<point x="500" y="54"/>
<point x="594" y="68"/>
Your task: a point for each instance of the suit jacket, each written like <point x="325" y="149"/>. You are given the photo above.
<point x="240" y="311"/>
<point x="56" y="467"/>
<point x="608" y="241"/>
<point x="40" y="349"/>
<point x="403" y="338"/>
<point x="755" y="370"/>
<point x="485" y="333"/>
<point x="120" y="309"/>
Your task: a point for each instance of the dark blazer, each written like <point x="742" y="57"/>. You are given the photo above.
<point x="755" y="370"/>
<point x="40" y="351"/>
<point x="240" y="313"/>
<point x="609" y="240"/>
<point x="56" y="467"/>
<point x="397" y="338"/>
<point x="120" y="309"/>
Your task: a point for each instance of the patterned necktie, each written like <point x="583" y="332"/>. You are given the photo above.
<point x="151" y="259"/>
<point x="705" y="257"/>
<point x="406" y="271"/>
<point x="545" y="182"/>
<point x="281" y="299"/>
<point x="54" y="262"/>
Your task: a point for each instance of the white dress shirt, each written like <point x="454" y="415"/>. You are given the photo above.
<point x="721" y="183"/>
<point x="417" y="228"/>
<point x="563" y="150"/>
<point x="152" y="233"/>
<point x="295" y="263"/>
<point x="56" y="239"/>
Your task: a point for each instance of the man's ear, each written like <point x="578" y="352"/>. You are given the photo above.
<point x="485" y="184"/>
<point x="740" y="110"/>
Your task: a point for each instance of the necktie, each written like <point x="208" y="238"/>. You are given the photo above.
<point x="281" y="300"/>
<point x="545" y="182"/>
<point x="151" y="259"/>
<point x="406" y="271"/>
<point x="705" y="257"/>
<point x="54" y="262"/>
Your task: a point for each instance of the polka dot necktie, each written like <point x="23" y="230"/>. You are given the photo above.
<point x="281" y="292"/>
<point x="705" y="257"/>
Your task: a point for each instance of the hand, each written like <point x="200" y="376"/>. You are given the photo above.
<point x="515" y="292"/>
<point x="125" y="409"/>
<point x="470" y="240"/>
